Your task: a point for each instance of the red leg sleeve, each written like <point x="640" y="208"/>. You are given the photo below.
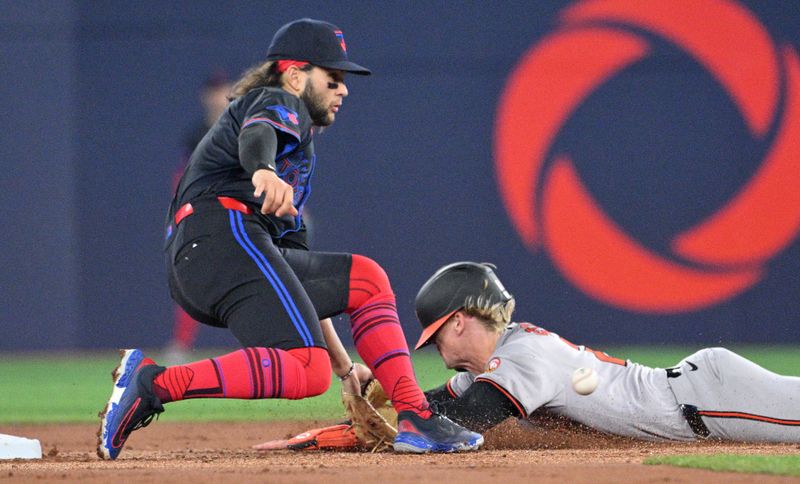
<point x="378" y="336"/>
<point x="249" y="373"/>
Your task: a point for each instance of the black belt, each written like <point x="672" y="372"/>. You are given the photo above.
<point x="695" y="421"/>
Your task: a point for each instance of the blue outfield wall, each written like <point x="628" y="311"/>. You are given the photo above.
<point x="632" y="173"/>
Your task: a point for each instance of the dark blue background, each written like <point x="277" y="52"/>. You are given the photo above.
<point x="97" y="95"/>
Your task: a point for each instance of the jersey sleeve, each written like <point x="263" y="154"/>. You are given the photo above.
<point x="521" y="376"/>
<point x="282" y="114"/>
<point x="459" y="383"/>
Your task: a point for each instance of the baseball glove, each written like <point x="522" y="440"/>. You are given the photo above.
<point x="335" y="437"/>
<point x="371" y="425"/>
<point x="338" y="437"/>
<point x="372" y="417"/>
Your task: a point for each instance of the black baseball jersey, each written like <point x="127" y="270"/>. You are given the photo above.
<point x="193" y="136"/>
<point x="214" y="168"/>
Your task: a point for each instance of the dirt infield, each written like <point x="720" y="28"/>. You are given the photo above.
<point x="220" y="452"/>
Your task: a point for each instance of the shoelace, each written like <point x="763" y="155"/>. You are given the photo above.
<point x="145" y="421"/>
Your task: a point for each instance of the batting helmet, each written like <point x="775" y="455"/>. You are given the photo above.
<point x="448" y="290"/>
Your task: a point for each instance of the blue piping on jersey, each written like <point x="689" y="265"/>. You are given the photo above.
<point x="274" y="124"/>
<point x="261" y="261"/>
<point x="299" y="218"/>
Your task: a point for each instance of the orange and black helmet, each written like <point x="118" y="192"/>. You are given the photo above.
<point x="448" y="290"/>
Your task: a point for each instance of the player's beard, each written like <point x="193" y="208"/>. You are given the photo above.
<point x="317" y="109"/>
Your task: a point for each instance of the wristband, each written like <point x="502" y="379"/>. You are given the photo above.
<point x="349" y="372"/>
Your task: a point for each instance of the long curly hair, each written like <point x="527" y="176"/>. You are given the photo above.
<point x="260" y="75"/>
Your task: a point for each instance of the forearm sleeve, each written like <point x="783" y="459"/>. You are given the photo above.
<point x="480" y="408"/>
<point x="258" y="144"/>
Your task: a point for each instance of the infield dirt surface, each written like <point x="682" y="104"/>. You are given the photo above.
<point x="220" y="452"/>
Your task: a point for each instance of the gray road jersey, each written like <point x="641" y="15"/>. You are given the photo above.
<point x="534" y="368"/>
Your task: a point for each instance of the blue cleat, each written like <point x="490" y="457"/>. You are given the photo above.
<point x="436" y="434"/>
<point x="132" y="404"/>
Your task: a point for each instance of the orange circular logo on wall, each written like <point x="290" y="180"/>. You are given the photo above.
<point x="550" y="206"/>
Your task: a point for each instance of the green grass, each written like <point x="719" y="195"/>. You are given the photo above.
<point x="74" y="387"/>
<point x="785" y="465"/>
<point x="780" y="359"/>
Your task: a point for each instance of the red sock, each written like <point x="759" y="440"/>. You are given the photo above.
<point x="249" y="373"/>
<point x="379" y="337"/>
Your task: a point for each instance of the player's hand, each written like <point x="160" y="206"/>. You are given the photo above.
<point x="278" y="195"/>
<point x="361" y="374"/>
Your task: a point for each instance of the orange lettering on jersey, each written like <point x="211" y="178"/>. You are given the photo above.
<point x="530" y="328"/>
<point x="598" y="354"/>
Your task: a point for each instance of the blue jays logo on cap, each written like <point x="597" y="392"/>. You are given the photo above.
<point x="340" y="36"/>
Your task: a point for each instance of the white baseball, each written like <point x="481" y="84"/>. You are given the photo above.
<point x="584" y="381"/>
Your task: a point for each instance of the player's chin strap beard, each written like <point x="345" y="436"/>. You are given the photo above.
<point x="316" y="109"/>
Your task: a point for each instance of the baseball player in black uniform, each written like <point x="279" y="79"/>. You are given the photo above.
<point x="236" y="258"/>
<point x="517" y="369"/>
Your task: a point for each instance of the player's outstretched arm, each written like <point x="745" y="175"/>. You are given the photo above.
<point x="258" y="144"/>
<point x="481" y="407"/>
<point x="352" y="375"/>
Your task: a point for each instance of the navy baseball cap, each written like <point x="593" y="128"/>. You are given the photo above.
<point x="447" y="291"/>
<point x="313" y="41"/>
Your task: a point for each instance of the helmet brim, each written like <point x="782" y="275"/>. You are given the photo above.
<point x="431" y="329"/>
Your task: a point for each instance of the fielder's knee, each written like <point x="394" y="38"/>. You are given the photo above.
<point x="368" y="283"/>
<point x="314" y="367"/>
